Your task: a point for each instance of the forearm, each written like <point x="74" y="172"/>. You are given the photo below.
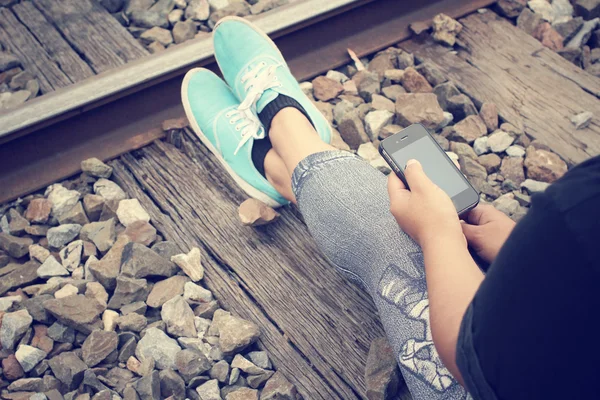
<point x="453" y="277"/>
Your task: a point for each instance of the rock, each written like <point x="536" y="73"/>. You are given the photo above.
<point x="242" y="363"/>
<point x="15" y="246"/>
<point x="109" y="190"/>
<point x="414" y="82"/>
<point x="76" y="215"/>
<point x="220" y="371"/>
<point x="141" y="232"/>
<point x="444" y="92"/>
<point x="499" y="141"/>
<point x="235" y="334"/>
<point x="62" y="199"/>
<point x="278" y="388"/>
<point x="392" y="92"/>
<point x="148" y="19"/>
<point x="68" y="368"/>
<point x="38" y="211"/>
<point x="337" y="76"/>
<point x="389" y="130"/>
<point x="489" y="115"/>
<point x="468" y="130"/>
<point x="543" y="165"/>
<point x="266" y="5"/>
<point x="197" y="10"/>
<point x="375" y="120"/>
<point x="382" y="103"/>
<point x="7" y="302"/>
<point x="337" y="141"/>
<point x="583" y="35"/>
<point x="588" y="9"/>
<point x="130" y="211"/>
<point x="107" y="269"/>
<point x="463" y="150"/>
<point x="148" y="387"/>
<point x="472" y="169"/>
<point x="138" y="261"/>
<point x="158" y="35"/>
<point x="179" y="317"/>
<point x="512" y="169"/>
<point x="27" y="385"/>
<point x="71" y="255"/>
<point x="445" y="29"/>
<point x="138" y="307"/>
<point x="568" y="29"/>
<point x="98" y="345"/>
<point x="191" y="363"/>
<point x="8" y="100"/>
<point x="195" y="294"/>
<point x="132" y="322"/>
<point x="77" y="312"/>
<point x="109" y="320"/>
<point x="543" y="8"/>
<point x="515" y="151"/>
<point x="582" y="120"/>
<point x="394" y="75"/>
<point x="209" y="390"/>
<point x="529" y="21"/>
<point x="62" y="234"/>
<point x="238" y="9"/>
<point x="24" y="275"/>
<point x="480" y="145"/>
<point x="95" y="167"/>
<point x="507" y="204"/>
<point x="128" y="290"/>
<point x="382" y="62"/>
<point x="37" y="230"/>
<point x="160" y="347"/>
<point x="165" y="290"/>
<point x="491" y="162"/>
<point x="66" y="291"/>
<point x="242" y="394"/>
<point x="61" y="333"/>
<point x="51" y="268"/>
<point x="32" y="86"/>
<point x="382" y="375"/>
<point x="253" y="212"/>
<point x="405" y="60"/>
<point x="255" y="381"/>
<point x="11" y="368"/>
<point x="166" y="249"/>
<point x="367" y="84"/>
<point x="206" y="310"/>
<point x="8" y="61"/>
<point x="17" y="224"/>
<point x="14" y="326"/>
<point x="433" y="75"/>
<point x="171" y="384"/>
<point x="548" y="36"/>
<point x="183" y="31"/>
<point x="419" y="108"/>
<point x="461" y="106"/>
<point x="352" y="130"/>
<point x="93" y="204"/>
<point x="326" y="89"/>
<point x="562" y="10"/>
<point x="534" y="186"/>
<point x="260" y="359"/>
<point x="28" y="357"/>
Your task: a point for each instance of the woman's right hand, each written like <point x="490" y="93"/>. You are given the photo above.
<point x="486" y="230"/>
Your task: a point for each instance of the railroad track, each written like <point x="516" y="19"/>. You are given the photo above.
<point x="122" y="109"/>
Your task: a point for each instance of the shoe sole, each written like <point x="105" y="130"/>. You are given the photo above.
<point x="245" y="186"/>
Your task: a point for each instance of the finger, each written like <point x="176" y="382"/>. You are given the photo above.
<point x="480" y="214"/>
<point x="472" y="233"/>
<point x="457" y="164"/>
<point x="416" y="177"/>
<point x="395" y="183"/>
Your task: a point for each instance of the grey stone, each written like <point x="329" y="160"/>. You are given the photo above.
<point x="112" y="6"/>
<point x="148" y="19"/>
<point x="582" y="120"/>
<point x="588" y="9"/>
<point x="433" y="75"/>
<point x="444" y="92"/>
<point x="95" y="167"/>
<point x="568" y="29"/>
<point x="157" y="345"/>
<point x="515" y="151"/>
<point x="61" y="333"/>
<point x="132" y="322"/>
<point x="19" y="276"/>
<point x="101" y="233"/>
<point x="138" y="307"/>
<point x="9" y="100"/>
<point x="460" y="106"/>
<point x="62" y="199"/>
<point x="166" y="249"/>
<point x="279" y="388"/>
<point x="29" y="357"/>
<point x="469" y="129"/>
<point x="183" y="31"/>
<point x="209" y="390"/>
<point x="480" y="145"/>
<point x="14" y="326"/>
<point x="583" y="35"/>
<point x="220" y="371"/>
<point x="195" y="294"/>
<point x="533" y="186"/>
<point x="107" y="269"/>
<point x="51" y="268"/>
<point x="191" y="363"/>
<point x="499" y="141"/>
<point x="148" y="387"/>
<point x="138" y="261"/>
<point x="392" y="92"/>
<point x="8" y="61"/>
<point x="191" y="263"/>
<point x="542" y="8"/>
<point x="109" y="190"/>
<point x="367" y="84"/>
<point x="63" y="234"/>
<point x="128" y="290"/>
<point x="171" y="384"/>
<point x="507" y="204"/>
<point x="15" y="246"/>
<point x="68" y="368"/>
<point x="76" y="311"/>
<point x="206" y="310"/>
<point x="405" y="60"/>
<point x="27" y="385"/>
<point x="376" y="120"/>
<point x="17" y="224"/>
<point x="98" y="345"/>
<point x="463" y="150"/>
<point x="512" y="169"/>
<point x="419" y="108"/>
<point x="179" y="317"/>
<point x="529" y="21"/>
<point x="235" y="334"/>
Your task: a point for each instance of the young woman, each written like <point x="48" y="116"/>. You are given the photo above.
<point x="523" y="331"/>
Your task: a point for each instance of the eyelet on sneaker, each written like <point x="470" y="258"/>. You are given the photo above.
<point x="231" y="121"/>
<point x="237" y="128"/>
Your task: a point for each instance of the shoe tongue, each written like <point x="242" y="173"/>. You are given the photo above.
<point x="268" y="96"/>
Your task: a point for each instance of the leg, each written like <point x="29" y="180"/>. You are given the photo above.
<point x="345" y="205"/>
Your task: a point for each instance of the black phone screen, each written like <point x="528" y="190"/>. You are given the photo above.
<point x="435" y="164"/>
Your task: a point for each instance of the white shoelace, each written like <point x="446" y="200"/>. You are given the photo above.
<point x="256" y="80"/>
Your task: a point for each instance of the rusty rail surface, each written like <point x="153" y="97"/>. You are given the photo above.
<point x="47" y="148"/>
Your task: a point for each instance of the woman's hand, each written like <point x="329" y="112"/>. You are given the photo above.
<point x="486" y="230"/>
<point x="426" y="213"/>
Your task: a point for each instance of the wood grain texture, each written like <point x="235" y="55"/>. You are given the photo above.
<point x="57" y="48"/>
<point x="19" y="41"/>
<point x="328" y="321"/>
<point x="92" y="32"/>
<point x="534" y="88"/>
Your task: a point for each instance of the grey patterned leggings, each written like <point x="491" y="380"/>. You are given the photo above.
<point x="345" y="204"/>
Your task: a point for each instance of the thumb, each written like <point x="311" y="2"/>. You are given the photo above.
<point x="415" y="176"/>
<point x="472" y="233"/>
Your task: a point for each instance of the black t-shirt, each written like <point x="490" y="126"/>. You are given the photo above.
<point x="532" y="330"/>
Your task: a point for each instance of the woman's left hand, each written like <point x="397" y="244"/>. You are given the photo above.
<point x="425" y="212"/>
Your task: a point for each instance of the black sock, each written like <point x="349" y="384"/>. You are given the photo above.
<point x="262" y="147"/>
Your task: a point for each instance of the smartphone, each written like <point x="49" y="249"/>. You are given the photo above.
<point x="415" y="142"/>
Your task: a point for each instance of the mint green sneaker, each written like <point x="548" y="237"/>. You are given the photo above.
<point x="256" y="71"/>
<point x="214" y="115"/>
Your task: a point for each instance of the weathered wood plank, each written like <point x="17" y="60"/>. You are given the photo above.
<point x="93" y="32"/>
<point x="534" y="88"/>
<point x="232" y="295"/>
<point x="35" y="59"/>
<point x="328" y="320"/>
<point x="56" y="47"/>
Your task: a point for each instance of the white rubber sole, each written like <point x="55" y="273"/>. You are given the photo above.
<point x="245" y="186"/>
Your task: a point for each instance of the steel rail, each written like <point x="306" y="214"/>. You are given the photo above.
<point x="45" y="144"/>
